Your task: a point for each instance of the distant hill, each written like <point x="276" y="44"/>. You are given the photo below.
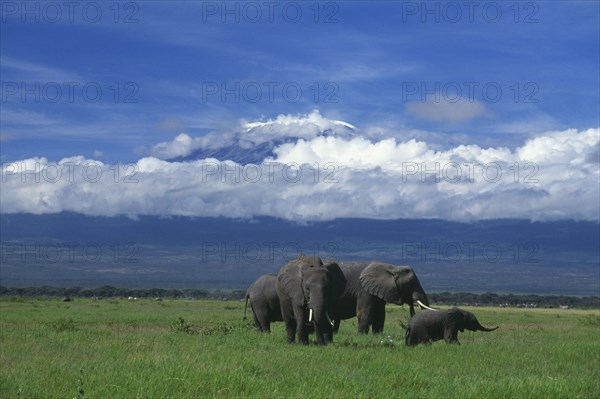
<point x="498" y="256"/>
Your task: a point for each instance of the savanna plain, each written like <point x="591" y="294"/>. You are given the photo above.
<point x="186" y="349"/>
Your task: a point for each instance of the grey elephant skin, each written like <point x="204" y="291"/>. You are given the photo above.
<point x="264" y="302"/>
<point x="428" y="326"/>
<point x="368" y="286"/>
<point x="306" y="288"/>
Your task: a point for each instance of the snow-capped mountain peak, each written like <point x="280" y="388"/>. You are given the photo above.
<point x="253" y="142"/>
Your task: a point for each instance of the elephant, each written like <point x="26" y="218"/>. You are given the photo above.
<point x="264" y="302"/>
<point x="306" y="288"/>
<point x="429" y="326"/>
<point x="368" y="286"/>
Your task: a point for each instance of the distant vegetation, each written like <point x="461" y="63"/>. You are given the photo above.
<point x="510" y="300"/>
<point x="445" y="298"/>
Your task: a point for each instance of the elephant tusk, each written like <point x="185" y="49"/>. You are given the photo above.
<point x="309" y="315"/>
<point x="329" y="318"/>
<point x="422" y="305"/>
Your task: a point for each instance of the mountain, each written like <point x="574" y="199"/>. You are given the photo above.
<point x="259" y="140"/>
<point x="236" y="153"/>
<point x="517" y="256"/>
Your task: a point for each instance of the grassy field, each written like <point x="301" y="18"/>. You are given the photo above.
<point x="187" y="349"/>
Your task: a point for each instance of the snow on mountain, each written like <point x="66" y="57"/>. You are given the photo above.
<point x="253" y="142"/>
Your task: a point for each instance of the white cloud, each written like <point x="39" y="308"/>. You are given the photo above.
<point x="552" y="176"/>
<point x="182" y="145"/>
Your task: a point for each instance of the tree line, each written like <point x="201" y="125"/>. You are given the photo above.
<point x="445" y="298"/>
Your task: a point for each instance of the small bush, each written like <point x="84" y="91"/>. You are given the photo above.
<point x="219" y="329"/>
<point x="179" y="325"/>
<point x="80" y="390"/>
<point x="62" y="325"/>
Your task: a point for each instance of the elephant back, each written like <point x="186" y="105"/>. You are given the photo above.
<point x="352" y="271"/>
<point x="263" y="286"/>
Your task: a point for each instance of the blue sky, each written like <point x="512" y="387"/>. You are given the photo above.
<point x="368" y="58"/>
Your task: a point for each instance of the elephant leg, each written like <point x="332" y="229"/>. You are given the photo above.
<point x="301" y="325"/>
<point x="336" y="326"/>
<point x="329" y="337"/>
<point x="302" y="333"/>
<point x="451" y="336"/>
<point x="409" y="337"/>
<point x="364" y="312"/>
<point x="378" y="318"/>
<point x="256" y="320"/>
<point x="265" y="324"/>
<point x="287" y="314"/>
<point x="364" y="321"/>
<point x="290" y="328"/>
<point x="267" y="327"/>
<point x="262" y="316"/>
<point x="321" y="340"/>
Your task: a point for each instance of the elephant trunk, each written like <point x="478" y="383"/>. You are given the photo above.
<point x="420" y="298"/>
<point x="317" y="314"/>
<point x="322" y="322"/>
<point x="482" y="328"/>
<point x="310" y="317"/>
<point x="419" y="295"/>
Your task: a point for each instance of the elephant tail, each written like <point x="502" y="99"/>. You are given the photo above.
<point x="246" y="305"/>
<point x="407" y="336"/>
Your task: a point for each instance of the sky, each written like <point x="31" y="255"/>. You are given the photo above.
<point x="401" y="86"/>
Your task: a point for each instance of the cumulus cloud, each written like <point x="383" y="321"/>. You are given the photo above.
<point x="182" y="145"/>
<point x="319" y="176"/>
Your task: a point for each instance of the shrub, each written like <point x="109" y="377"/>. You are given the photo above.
<point x="61" y="325"/>
<point x="179" y="325"/>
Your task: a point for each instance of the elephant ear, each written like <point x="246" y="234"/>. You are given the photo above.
<point x="405" y="276"/>
<point x="456" y="319"/>
<point x="379" y="279"/>
<point x="337" y="280"/>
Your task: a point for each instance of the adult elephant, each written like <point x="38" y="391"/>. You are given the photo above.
<point x="429" y="326"/>
<point x="306" y="288"/>
<point x="368" y="286"/>
<point x="264" y="302"/>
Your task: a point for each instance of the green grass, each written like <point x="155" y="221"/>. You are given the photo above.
<point x="186" y="349"/>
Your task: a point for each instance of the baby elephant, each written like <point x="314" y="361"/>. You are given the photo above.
<point x="430" y="325"/>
